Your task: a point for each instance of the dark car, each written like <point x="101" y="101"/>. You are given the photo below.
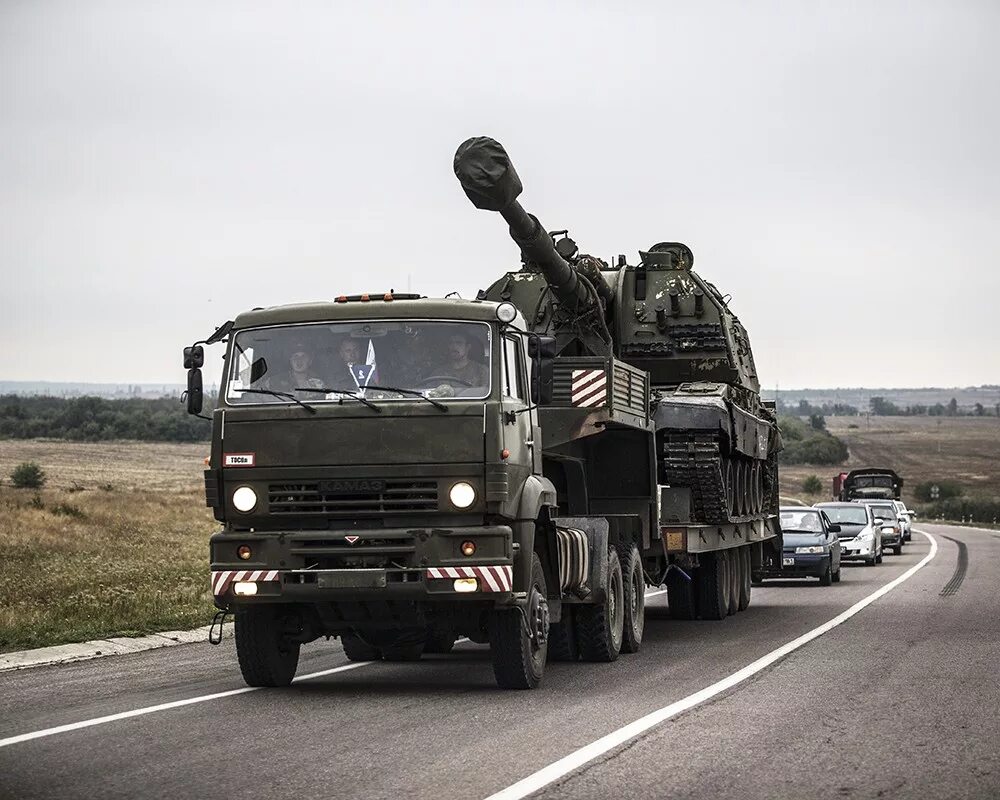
<point x="860" y="538"/>
<point x="811" y="547"/>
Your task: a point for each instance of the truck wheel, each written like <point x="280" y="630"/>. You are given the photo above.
<point x="744" y="557"/>
<point x="599" y="628"/>
<point x="713" y="586"/>
<point x="519" y="642"/>
<point x="357" y="649"/>
<point x="266" y="657"/>
<point x="439" y="640"/>
<point x="735" y="567"/>
<point x="634" y="597"/>
<point x="827" y="577"/>
<point x="562" y="637"/>
<point x="681" y="596"/>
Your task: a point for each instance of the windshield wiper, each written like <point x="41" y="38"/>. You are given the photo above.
<point x="345" y="392"/>
<point x="411" y="393"/>
<point x="273" y="393"/>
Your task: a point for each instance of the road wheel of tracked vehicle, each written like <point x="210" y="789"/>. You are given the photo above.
<point x="744" y="557"/>
<point x="634" y="597"/>
<point x="599" y="627"/>
<point x="756" y="488"/>
<point x="562" y="637"/>
<point x="735" y="567"/>
<point x="681" y="598"/>
<point x="519" y="641"/>
<point x="357" y="649"/>
<point x="730" y="488"/>
<point x="713" y="586"/>
<point x="266" y="656"/>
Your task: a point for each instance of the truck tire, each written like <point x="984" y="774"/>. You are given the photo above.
<point x="266" y="658"/>
<point x="681" y="600"/>
<point x="519" y="658"/>
<point x="600" y="627"/>
<point x="562" y="637"/>
<point x="735" y="567"/>
<point x="357" y="649"/>
<point x="713" y="586"/>
<point x="634" y="598"/>
<point x="744" y="557"/>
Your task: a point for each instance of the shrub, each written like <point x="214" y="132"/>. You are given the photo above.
<point x="974" y="509"/>
<point x="812" y="485"/>
<point x="66" y="510"/>
<point x="28" y="475"/>
<point x="820" y="448"/>
<point x="947" y="489"/>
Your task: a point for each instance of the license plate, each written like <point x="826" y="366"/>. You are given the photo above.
<point x="788" y="562"/>
<point x="351" y="579"/>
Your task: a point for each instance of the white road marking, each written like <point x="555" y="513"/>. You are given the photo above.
<point x="139" y="712"/>
<point x="605" y="744"/>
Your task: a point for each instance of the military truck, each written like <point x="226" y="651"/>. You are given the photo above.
<point x="871" y="483"/>
<point x="399" y="471"/>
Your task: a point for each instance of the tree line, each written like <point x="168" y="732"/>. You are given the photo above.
<point x="94" y="419"/>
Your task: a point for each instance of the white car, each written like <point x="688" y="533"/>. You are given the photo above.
<point x="860" y="537"/>
<point x="905" y="519"/>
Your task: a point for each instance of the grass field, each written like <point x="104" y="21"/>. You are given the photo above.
<point x="115" y="544"/>
<point x="964" y="449"/>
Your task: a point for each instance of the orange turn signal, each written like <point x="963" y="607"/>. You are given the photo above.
<point x="468" y="548"/>
<point x="244" y="552"/>
<point x="505" y="453"/>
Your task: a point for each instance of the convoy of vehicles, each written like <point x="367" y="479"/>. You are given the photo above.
<point x="860" y="536"/>
<point x="811" y="545"/>
<point x="399" y="471"/>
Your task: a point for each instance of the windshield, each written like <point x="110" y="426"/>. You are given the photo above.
<point x="847" y="515"/>
<point x="328" y="362"/>
<point x="801" y="521"/>
<point x="873" y="481"/>
<point x="888" y="513"/>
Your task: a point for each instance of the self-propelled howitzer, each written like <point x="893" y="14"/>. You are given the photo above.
<point x="714" y="435"/>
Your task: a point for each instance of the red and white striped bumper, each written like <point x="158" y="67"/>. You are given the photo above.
<point x="223" y="579"/>
<point x="491" y="579"/>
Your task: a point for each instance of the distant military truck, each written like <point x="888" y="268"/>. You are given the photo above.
<point x="871" y="484"/>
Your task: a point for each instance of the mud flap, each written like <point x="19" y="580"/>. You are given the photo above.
<point x="596" y="531"/>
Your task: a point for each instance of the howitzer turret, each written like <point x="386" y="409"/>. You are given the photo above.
<point x="714" y="435"/>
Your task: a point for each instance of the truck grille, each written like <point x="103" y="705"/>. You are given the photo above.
<point x="317" y="497"/>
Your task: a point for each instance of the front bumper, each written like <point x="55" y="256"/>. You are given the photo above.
<point x="803" y="565"/>
<point x="364" y="565"/>
<point x="855" y="552"/>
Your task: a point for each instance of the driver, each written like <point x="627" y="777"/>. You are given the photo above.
<point x="460" y="365"/>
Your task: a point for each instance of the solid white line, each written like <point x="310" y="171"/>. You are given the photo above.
<point x="139" y="712"/>
<point x="588" y="753"/>
<point x="656" y="593"/>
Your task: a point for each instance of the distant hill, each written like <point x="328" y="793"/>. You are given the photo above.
<point x="966" y="396"/>
<point x="109" y="390"/>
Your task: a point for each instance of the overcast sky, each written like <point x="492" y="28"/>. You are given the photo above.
<point x="164" y="166"/>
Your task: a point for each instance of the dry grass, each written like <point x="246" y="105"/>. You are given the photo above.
<point x="964" y="449"/>
<point x="83" y="562"/>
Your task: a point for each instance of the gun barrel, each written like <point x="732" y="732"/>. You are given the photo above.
<point x="490" y="181"/>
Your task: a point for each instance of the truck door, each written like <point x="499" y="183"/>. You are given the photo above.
<point x="518" y="428"/>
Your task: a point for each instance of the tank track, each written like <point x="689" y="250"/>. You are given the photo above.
<point x="723" y="490"/>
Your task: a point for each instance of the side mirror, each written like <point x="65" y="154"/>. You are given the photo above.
<point x="879" y="521"/>
<point x="834" y="527"/>
<point x="542" y="351"/>
<point x="257" y="369"/>
<point x="194" y="357"/>
<point x="194" y="394"/>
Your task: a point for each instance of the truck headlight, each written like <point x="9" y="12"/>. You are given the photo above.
<point x="813" y="548"/>
<point x="462" y="495"/>
<point x="244" y="498"/>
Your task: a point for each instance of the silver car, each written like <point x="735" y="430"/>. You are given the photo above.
<point x="905" y="519"/>
<point x="860" y="537"/>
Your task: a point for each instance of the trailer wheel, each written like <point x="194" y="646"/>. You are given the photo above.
<point x="713" y="586"/>
<point x="634" y="599"/>
<point x="599" y="628"/>
<point x="266" y="657"/>
<point x="735" y="567"/>
<point x="562" y="637"/>
<point x="744" y="558"/>
<point x="519" y="642"/>
<point x="357" y="649"/>
<point x="681" y="600"/>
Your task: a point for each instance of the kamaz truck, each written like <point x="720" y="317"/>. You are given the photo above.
<point x="870" y="483"/>
<point x="400" y="471"/>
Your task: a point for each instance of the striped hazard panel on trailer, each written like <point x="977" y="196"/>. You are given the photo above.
<point x="223" y="579"/>
<point x="491" y="579"/>
<point x="590" y="387"/>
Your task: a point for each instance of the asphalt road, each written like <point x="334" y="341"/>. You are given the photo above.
<point x="900" y="700"/>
